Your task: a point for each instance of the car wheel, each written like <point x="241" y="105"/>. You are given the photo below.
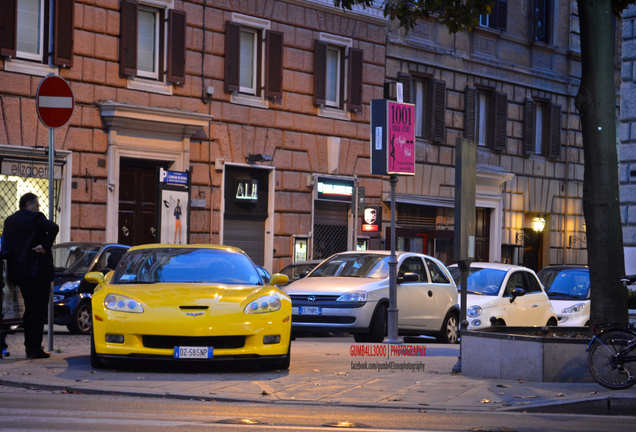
<point x="450" y="329"/>
<point x="96" y="362"/>
<point x="82" y="321"/>
<point x="378" y="327"/>
<point x="282" y="364"/>
<point x="552" y="322"/>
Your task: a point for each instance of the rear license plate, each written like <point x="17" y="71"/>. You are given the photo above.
<point x="313" y="310"/>
<point x="193" y="352"/>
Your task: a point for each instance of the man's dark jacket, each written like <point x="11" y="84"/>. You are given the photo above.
<point x="23" y="231"/>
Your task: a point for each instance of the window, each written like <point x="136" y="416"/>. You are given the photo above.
<point x="486" y="116"/>
<point x="249" y="56"/>
<point x="26" y="31"/>
<point x="541" y="20"/>
<point x="413" y="265"/>
<point x="516" y="280"/>
<point x="497" y="18"/>
<point x="437" y="275"/>
<point x="335" y="59"/>
<point x="542" y="128"/>
<point x="429" y="97"/>
<point x="143" y="44"/>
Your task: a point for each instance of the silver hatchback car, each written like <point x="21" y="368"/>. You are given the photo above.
<point x="349" y="292"/>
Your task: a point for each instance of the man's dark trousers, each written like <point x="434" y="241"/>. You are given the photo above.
<point x="35" y="293"/>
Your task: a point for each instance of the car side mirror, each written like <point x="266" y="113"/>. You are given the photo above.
<point x="517" y="292"/>
<point x="278" y="279"/>
<point x="94" y="277"/>
<point x="303" y="274"/>
<point x="408" y="277"/>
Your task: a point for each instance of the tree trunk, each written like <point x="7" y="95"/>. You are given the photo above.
<point x="596" y="102"/>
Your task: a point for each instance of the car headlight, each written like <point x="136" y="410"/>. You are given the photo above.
<point x="574" y="308"/>
<point x="353" y="296"/>
<point x="70" y="286"/>
<point x="268" y="303"/>
<point x="121" y="303"/>
<point x="473" y="311"/>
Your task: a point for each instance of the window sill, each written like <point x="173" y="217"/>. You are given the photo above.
<point x="334" y="113"/>
<point x="151" y="86"/>
<point x="29" y="68"/>
<point x="249" y="100"/>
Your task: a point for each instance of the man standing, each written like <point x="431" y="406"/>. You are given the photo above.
<point x="27" y="239"/>
<point x="177" y="223"/>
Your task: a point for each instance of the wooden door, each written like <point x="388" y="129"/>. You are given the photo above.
<point x="482" y="235"/>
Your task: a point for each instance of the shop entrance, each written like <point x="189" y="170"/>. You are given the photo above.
<point x="137" y="201"/>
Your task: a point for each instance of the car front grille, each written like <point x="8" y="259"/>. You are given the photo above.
<point x="318" y="298"/>
<point x="169" y="342"/>
<point x="325" y="301"/>
<point x="322" y="319"/>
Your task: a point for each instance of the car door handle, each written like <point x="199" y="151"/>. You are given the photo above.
<point x="535" y="305"/>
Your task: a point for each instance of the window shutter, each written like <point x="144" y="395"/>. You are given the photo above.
<point x="500" y="121"/>
<point x="405" y="79"/>
<point x="274" y="46"/>
<point x="128" y="38"/>
<point x="63" y="33"/>
<point x="555" y="131"/>
<point x="8" y="27"/>
<point x="356" y="64"/>
<point x="502" y="14"/>
<point x="535" y="19"/>
<point x="232" y="56"/>
<point x="176" y="46"/>
<point x="528" y="127"/>
<point x="471" y="116"/>
<point x="438" y="115"/>
<point x="320" y="72"/>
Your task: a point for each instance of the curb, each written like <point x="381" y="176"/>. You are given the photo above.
<point x="608" y="405"/>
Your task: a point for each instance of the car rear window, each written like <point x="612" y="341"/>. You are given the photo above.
<point x="186" y="265"/>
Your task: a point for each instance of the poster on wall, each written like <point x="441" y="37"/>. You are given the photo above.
<point x="173" y="207"/>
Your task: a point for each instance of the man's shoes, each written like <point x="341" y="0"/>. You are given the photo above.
<point x="5" y="352"/>
<point x="37" y="353"/>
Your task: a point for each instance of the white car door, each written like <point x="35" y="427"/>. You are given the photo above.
<point x="538" y="300"/>
<point x="519" y="312"/>
<point x="413" y="302"/>
<point x="444" y="294"/>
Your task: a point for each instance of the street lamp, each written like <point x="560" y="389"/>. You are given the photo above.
<point x="538" y="224"/>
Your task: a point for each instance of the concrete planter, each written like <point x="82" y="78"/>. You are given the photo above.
<point x="519" y="353"/>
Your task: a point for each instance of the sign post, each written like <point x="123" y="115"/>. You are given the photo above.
<point x="392" y="154"/>
<point x="54" y="102"/>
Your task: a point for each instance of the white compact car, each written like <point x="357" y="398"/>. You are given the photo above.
<point x="568" y="288"/>
<point x="349" y="292"/>
<point x="502" y="294"/>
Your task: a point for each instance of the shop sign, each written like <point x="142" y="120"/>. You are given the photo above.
<point x="29" y="169"/>
<point x="332" y="189"/>
<point x="392" y="137"/>
<point x="372" y="217"/>
<point x="246" y="191"/>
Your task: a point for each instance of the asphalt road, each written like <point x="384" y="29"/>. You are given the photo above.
<point x="33" y="410"/>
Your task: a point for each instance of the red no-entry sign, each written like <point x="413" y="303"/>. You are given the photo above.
<point x="54" y="102"/>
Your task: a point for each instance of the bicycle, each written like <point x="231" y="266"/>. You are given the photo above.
<point x="611" y="361"/>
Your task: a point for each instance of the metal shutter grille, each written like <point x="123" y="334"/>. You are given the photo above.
<point x="232" y="56"/>
<point x="246" y="235"/>
<point x="471" y="114"/>
<point x="63" y="38"/>
<point x="500" y="121"/>
<point x="356" y="64"/>
<point x="438" y="119"/>
<point x="274" y="42"/>
<point x="416" y="215"/>
<point x="128" y="37"/>
<point x="320" y="72"/>
<point x="405" y="79"/>
<point x="9" y="196"/>
<point x="8" y="27"/>
<point x="528" y="126"/>
<point x="330" y="229"/>
<point x="555" y="131"/>
<point x="176" y="46"/>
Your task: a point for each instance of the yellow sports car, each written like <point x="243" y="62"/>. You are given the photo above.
<point x="189" y="302"/>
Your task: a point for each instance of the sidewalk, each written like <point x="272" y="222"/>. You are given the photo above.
<point x="320" y="373"/>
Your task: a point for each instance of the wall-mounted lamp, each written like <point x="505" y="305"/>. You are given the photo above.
<point x="520" y="235"/>
<point x="538" y="224"/>
<point x="258" y="157"/>
<point x="573" y="239"/>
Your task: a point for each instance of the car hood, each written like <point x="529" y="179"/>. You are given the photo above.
<point x="170" y="295"/>
<point x="482" y="301"/>
<point x="333" y="285"/>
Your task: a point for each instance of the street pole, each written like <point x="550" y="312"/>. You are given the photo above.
<point x="51" y="217"/>
<point x="393" y="311"/>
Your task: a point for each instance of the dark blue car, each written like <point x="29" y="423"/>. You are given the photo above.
<point x="72" y="294"/>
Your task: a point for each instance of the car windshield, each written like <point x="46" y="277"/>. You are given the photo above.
<point x="74" y="258"/>
<point x="481" y="281"/>
<point x="373" y="266"/>
<point x="186" y="265"/>
<point x="568" y="283"/>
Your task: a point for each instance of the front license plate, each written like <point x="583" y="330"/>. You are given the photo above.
<point x="193" y="352"/>
<point x="310" y="310"/>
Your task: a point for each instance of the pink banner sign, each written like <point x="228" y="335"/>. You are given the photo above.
<point x="401" y="138"/>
